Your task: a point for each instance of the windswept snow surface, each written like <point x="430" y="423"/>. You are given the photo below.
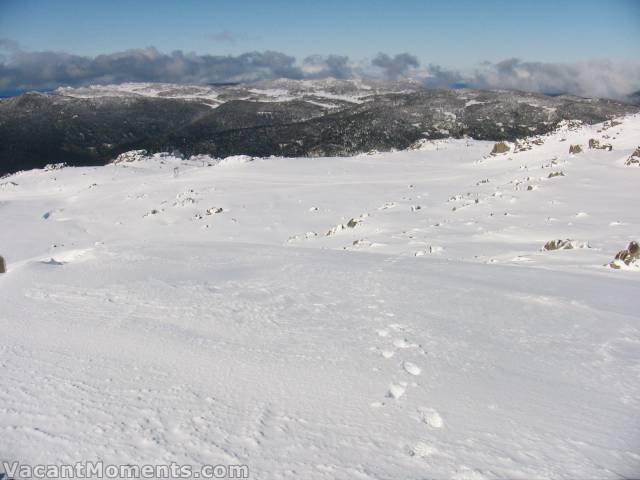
<point x="198" y="312"/>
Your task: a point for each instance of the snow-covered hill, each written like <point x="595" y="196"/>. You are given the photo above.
<point x="330" y="92"/>
<point x="380" y="316"/>
<point x="286" y="118"/>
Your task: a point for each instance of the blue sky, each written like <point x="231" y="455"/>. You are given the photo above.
<point x="456" y="34"/>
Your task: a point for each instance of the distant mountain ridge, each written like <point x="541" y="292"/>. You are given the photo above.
<point x="92" y="125"/>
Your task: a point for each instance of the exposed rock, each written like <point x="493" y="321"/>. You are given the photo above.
<point x="54" y="166"/>
<point x="610" y="124"/>
<point x="499" y="148"/>
<point x="567" y="244"/>
<point x="214" y="210"/>
<point x="363" y="242"/>
<point x="628" y="257"/>
<point x="556" y="174"/>
<point x="523" y="145"/>
<point x="130" y="156"/>
<point x="3" y="265"/>
<point x="575" y="149"/>
<point x="634" y="159"/>
<point x="336" y="229"/>
<point x="152" y="212"/>
<point x="595" y="144"/>
<point x="353" y="222"/>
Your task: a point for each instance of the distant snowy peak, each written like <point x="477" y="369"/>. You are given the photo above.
<point x="280" y="90"/>
<point x="201" y="93"/>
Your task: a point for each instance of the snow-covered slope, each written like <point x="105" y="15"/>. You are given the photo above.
<point x="198" y="311"/>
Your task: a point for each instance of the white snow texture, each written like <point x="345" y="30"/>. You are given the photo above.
<point x="197" y="311"/>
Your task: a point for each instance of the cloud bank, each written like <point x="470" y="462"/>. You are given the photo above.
<point x="23" y="70"/>
<point x="395" y="67"/>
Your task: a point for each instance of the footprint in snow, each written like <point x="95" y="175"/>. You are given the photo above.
<point x="402" y="343"/>
<point x="411" y="368"/>
<point x="431" y="417"/>
<point x="422" y="450"/>
<point x="398" y="327"/>
<point x="396" y="390"/>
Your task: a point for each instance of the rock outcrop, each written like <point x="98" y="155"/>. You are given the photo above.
<point x="627" y="257"/>
<point x="130" y="156"/>
<point x="499" y="148"/>
<point x="575" y="149"/>
<point x="634" y="159"/>
<point x="566" y="244"/>
<point x="595" y="144"/>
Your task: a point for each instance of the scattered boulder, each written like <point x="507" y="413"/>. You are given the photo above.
<point x="3" y="265"/>
<point x="336" y="229"/>
<point x="130" y="156"/>
<point x="629" y="256"/>
<point x="500" y="147"/>
<point x="566" y="244"/>
<point x="610" y="124"/>
<point x="353" y="222"/>
<point x="595" y="144"/>
<point x="55" y="166"/>
<point x="575" y="149"/>
<point x="214" y="210"/>
<point x="527" y="144"/>
<point x="363" y="242"/>
<point x="634" y="159"/>
<point x="154" y="211"/>
<point x="521" y="146"/>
